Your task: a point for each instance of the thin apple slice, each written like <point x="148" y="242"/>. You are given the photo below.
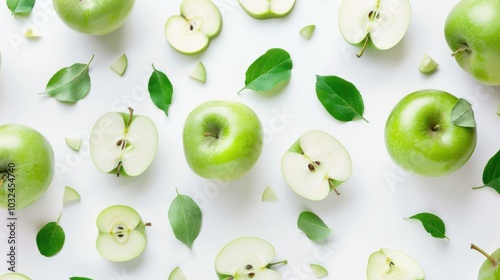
<point x="73" y="142"/>
<point x="263" y="9"/>
<point x="269" y="195"/>
<point x="70" y="195"/>
<point x="318" y="270"/>
<point x="427" y="64"/>
<point x="307" y="31"/>
<point x="387" y="264"/>
<point x="120" y="65"/>
<point x="177" y="274"/>
<point x="198" y="72"/>
<point x="31" y="33"/>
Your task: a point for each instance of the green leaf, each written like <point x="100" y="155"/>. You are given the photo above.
<point x="491" y="173"/>
<point x="70" y="84"/>
<point x="50" y="239"/>
<point x="184" y="216"/>
<point x="340" y="98"/>
<point x="20" y="7"/>
<point x="268" y="70"/>
<point x="462" y="114"/>
<point x="312" y="225"/>
<point x="432" y="224"/>
<point x="79" y="278"/>
<point x="161" y="90"/>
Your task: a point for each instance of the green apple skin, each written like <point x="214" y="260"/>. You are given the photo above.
<point x="421" y="138"/>
<point x="32" y="157"/>
<point x="14" y="276"/>
<point x="222" y="139"/>
<point x="268" y="14"/>
<point x="488" y="271"/>
<point x="94" y="17"/>
<point x="474" y="26"/>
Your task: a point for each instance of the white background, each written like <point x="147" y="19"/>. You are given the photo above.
<point x="368" y="215"/>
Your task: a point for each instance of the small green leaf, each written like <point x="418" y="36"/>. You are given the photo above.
<point x="491" y="173"/>
<point x="70" y="84"/>
<point x="50" y="239"/>
<point x="312" y="225"/>
<point x="462" y="114"/>
<point x="340" y="98"/>
<point x="20" y="7"/>
<point x="161" y="90"/>
<point x="432" y="224"/>
<point x="268" y="70"/>
<point x="184" y="216"/>
<point x="79" y="278"/>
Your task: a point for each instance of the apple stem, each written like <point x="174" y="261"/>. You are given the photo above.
<point x="436" y="127"/>
<point x="488" y="256"/>
<point x="334" y="188"/>
<point x="208" y="134"/>
<point x="365" y="44"/>
<point x="277" y="263"/>
<point x="3" y="177"/>
<point x="131" y="112"/>
<point x="460" y="50"/>
<point x="148" y="224"/>
<point x="118" y="168"/>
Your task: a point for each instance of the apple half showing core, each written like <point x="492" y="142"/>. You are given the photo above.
<point x="27" y="165"/>
<point x="420" y="136"/>
<point x="390" y="264"/>
<point x="316" y="164"/>
<point x="222" y="139"/>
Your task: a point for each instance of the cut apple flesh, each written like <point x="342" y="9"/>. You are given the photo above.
<point x="14" y="276"/>
<point x="70" y="195"/>
<point x="114" y="145"/>
<point x="389" y="264"/>
<point x="316" y="164"/>
<point x="267" y="8"/>
<point x="384" y="21"/>
<point x="177" y="274"/>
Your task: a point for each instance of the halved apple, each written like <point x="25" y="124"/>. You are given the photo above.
<point x="264" y="9"/>
<point x="199" y="22"/>
<point x="316" y="164"/>
<point x="387" y="264"/>
<point x="378" y="23"/>
<point x="14" y="276"/>
<point x="123" y="143"/>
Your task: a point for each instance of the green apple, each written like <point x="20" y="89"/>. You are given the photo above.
<point x="420" y="136"/>
<point x="264" y="9"/>
<point x="490" y="269"/>
<point x="472" y="31"/>
<point x="94" y="17"/>
<point x="222" y="139"/>
<point x="199" y="22"/>
<point x="377" y="23"/>
<point x="390" y="264"/>
<point x="123" y="143"/>
<point x="26" y="165"/>
<point x="14" y="276"/>
<point x="315" y="164"/>
<point x="247" y="257"/>
<point x="122" y="234"/>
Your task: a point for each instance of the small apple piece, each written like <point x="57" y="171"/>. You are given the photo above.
<point x="498" y="110"/>
<point x="14" y="276"/>
<point x="122" y="234"/>
<point x="222" y="139"/>
<point x="307" y="31"/>
<point x="318" y="270"/>
<point x="198" y="72"/>
<point x="199" y="22"/>
<point x="70" y="195"/>
<point x="316" y="164"/>
<point x="269" y="195"/>
<point x="120" y="65"/>
<point x="378" y="23"/>
<point x="264" y="9"/>
<point x="393" y="264"/>
<point x="427" y="64"/>
<point x="26" y="160"/>
<point x="490" y="269"/>
<point x="177" y="274"/>
<point x="123" y="143"/>
<point x="421" y="137"/>
<point x="247" y="257"/>
<point x="31" y="33"/>
<point x="73" y="142"/>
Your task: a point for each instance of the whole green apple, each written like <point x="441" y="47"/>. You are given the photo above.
<point x="420" y="136"/>
<point x="93" y="17"/>
<point x="26" y="165"/>
<point x="472" y="31"/>
<point x="490" y="269"/>
<point x="222" y="139"/>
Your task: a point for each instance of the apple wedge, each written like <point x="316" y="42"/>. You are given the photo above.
<point x="123" y="143"/>
<point x="264" y="9"/>
<point x="70" y="196"/>
<point x="199" y="22"/>
<point x="316" y="164"/>
<point x="387" y="264"/>
<point x="378" y="23"/>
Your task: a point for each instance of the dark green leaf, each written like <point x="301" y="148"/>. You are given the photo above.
<point x="432" y="224"/>
<point x="312" y="225"/>
<point x="70" y="84"/>
<point x="185" y="218"/>
<point x="50" y="239"/>
<point x="462" y="114"/>
<point x="20" y="7"/>
<point x="268" y="70"/>
<point x="491" y="173"/>
<point x="79" y="278"/>
<point x="340" y="98"/>
<point x="161" y="90"/>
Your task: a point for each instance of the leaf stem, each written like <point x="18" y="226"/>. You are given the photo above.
<point x="488" y="256"/>
<point x="365" y="44"/>
<point x="91" y="59"/>
<point x="479" y="187"/>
